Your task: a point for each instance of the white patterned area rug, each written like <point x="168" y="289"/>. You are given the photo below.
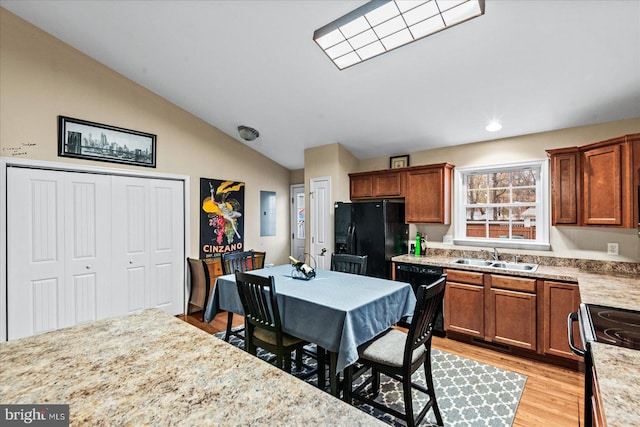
<point x="469" y="393"/>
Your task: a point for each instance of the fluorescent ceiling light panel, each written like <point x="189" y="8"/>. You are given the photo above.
<point x="382" y="25"/>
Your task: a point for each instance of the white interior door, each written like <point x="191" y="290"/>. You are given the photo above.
<point x="148" y="239"/>
<point x="298" y="221"/>
<point x="87" y="246"/>
<point x="35" y="276"/>
<point x="87" y="235"/>
<point x="59" y="240"/>
<point x="131" y="228"/>
<point x="166" y="246"/>
<point x="320" y="222"/>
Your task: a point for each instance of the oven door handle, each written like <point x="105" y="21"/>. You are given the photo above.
<point x="573" y="317"/>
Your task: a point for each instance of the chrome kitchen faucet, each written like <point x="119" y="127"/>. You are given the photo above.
<point x="495" y="254"/>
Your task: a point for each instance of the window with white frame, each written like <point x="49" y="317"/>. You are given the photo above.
<point x="503" y="205"/>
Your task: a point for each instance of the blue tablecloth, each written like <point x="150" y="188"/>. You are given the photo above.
<point x="337" y="311"/>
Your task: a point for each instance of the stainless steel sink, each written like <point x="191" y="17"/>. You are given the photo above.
<point x="515" y="267"/>
<point x="475" y="262"/>
<point x="500" y="265"/>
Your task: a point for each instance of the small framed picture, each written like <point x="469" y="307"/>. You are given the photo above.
<point x="94" y="141"/>
<point x="399" y="161"/>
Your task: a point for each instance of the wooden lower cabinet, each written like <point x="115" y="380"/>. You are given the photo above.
<point x="463" y="309"/>
<point x="558" y="301"/>
<point x="464" y="303"/>
<point x="520" y="312"/>
<point x="512" y="318"/>
<point x="597" y="411"/>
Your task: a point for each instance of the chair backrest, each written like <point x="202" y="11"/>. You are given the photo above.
<point x="429" y="302"/>
<point x="241" y="261"/>
<point x="356" y="264"/>
<point x="258" y="297"/>
<point x="199" y="279"/>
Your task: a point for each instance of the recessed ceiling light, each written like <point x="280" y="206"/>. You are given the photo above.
<point x="383" y="25"/>
<point x="493" y="126"/>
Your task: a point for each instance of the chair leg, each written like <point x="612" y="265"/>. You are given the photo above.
<point x="227" y="334"/>
<point x="408" y="403"/>
<point x="375" y="383"/>
<point x="347" y="386"/>
<point x="287" y="361"/>
<point x="432" y="392"/>
<point x="299" y="365"/>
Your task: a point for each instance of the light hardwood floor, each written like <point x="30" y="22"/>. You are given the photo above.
<point x="552" y="395"/>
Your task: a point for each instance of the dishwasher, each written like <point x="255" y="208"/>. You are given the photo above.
<point x="417" y="275"/>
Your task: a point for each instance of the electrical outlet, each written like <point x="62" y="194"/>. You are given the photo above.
<point x="612" y="248"/>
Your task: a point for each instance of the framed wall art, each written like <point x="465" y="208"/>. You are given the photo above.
<point x="221" y="217"/>
<point x="399" y="161"/>
<point x="94" y="141"/>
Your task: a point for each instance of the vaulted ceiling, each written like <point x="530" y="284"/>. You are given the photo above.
<point x="534" y="65"/>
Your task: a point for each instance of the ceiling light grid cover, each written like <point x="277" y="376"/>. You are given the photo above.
<point x="382" y="25"/>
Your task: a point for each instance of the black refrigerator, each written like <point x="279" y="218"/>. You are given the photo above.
<point x="376" y="229"/>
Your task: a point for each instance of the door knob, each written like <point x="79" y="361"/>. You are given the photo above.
<point x="88" y="267"/>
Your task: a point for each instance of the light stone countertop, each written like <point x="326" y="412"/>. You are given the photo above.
<point x="154" y="369"/>
<point x="618" y="368"/>
<point x="618" y="372"/>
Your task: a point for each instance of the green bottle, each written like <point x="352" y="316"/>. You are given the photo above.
<point x="418" y="244"/>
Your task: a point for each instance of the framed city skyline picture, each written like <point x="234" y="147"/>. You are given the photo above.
<point x="95" y="141"/>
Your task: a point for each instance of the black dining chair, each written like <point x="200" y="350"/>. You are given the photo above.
<point x="199" y="284"/>
<point x="263" y="327"/>
<point x="232" y="262"/>
<point x="398" y="355"/>
<point x="347" y="263"/>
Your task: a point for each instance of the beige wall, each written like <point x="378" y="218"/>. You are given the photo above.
<point x="572" y="242"/>
<point x="41" y="78"/>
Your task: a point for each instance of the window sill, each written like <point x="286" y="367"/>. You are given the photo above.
<point x="501" y="243"/>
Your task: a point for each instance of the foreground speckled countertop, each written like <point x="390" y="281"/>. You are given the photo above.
<point x="153" y="369"/>
<point x="618" y="368"/>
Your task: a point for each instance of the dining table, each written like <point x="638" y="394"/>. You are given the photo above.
<point x="336" y="311"/>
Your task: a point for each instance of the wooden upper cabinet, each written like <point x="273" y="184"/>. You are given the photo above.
<point x="375" y="185"/>
<point x="635" y="171"/>
<point x="360" y="186"/>
<point x="426" y="189"/>
<point x="602" y="174"/>
<point x="428" y="195"/>
<point x="565" y="183"/>
<point x="593" y="185"/>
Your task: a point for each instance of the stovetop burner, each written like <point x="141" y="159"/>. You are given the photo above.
<point x="615" y="326"/>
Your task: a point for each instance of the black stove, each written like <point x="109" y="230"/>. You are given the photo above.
<point x="609" y="325"/>
<point x="614" y="326"/>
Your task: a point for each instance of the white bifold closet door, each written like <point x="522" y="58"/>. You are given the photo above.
<point x="83" y="247"/>
<point x="148" y="243"/>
